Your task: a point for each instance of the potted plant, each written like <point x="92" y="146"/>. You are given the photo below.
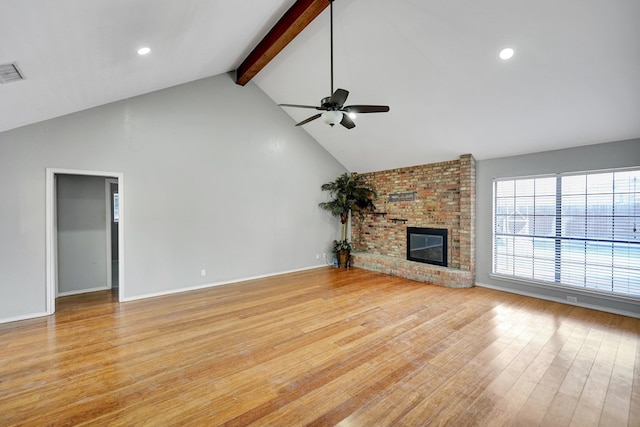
<point x="342" y="250"/>
<point x="350" y="193"/>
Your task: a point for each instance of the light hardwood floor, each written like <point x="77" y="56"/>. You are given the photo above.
<point x="321" y="347"/>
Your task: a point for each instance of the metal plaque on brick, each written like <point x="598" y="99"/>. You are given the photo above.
<point x="402" y="197"/>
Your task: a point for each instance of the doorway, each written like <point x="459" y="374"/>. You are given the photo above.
<point x="52" y="255"/>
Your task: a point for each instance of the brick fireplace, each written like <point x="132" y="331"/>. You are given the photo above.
<point x="439" y="195"/>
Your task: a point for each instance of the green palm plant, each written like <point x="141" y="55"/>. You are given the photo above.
<point x="350" y="193"/>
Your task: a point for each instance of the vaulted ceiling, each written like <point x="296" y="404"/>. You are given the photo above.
<point x="574" y="79"/>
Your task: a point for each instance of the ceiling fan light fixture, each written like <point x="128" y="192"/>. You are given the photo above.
<point x="332" y="117"/>
<point x="352" y="115"/>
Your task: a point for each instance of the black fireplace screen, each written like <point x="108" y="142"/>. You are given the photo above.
<point x="428" y="245"/>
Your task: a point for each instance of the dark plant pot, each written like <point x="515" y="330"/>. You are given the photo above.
<point x="343" y="258"/>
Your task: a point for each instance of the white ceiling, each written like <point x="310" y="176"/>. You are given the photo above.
<point x="574" y="80"/>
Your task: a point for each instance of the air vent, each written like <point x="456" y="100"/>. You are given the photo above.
<point x="9" y="73"/>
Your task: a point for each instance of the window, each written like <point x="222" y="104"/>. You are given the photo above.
<point x="569" y="229"/>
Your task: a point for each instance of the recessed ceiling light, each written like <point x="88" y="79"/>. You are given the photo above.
<point x="506" y="53"/>
<point x="144" y="50"/>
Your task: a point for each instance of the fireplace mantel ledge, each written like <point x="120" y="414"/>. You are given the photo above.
<point x="421" y="272"/>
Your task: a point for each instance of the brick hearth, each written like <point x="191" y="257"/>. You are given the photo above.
<point x="443" y="197"/>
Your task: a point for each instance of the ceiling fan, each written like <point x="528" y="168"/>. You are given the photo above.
<point x="334" y="110"/>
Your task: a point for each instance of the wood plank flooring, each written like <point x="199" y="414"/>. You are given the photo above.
<point x="323" y="347"/>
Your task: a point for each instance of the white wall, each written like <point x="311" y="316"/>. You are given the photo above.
<point x="82" y="234"/>
<point x="593" y="157"/>
<point x="216" y="177"/>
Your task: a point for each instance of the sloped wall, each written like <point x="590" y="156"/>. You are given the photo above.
<point x="216" y="177"/>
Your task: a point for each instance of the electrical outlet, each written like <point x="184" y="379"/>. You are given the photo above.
<point x="203" y="272"/>
<point x="572" y="299"/>
<point x="317" y="256"/>
<point x="324" y="256"/>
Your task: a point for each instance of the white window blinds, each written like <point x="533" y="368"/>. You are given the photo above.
<point x="577" y="230"/>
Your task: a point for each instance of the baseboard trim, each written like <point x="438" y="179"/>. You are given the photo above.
<point x="83" y="291"/>
<point x="24" y="317"/>
<point x="211" y="285"/>
<point x="549" y="298"/>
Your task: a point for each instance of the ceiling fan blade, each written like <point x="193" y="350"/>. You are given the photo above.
<point x="347" y="122"/>
<point x="366" y="109"/>
<point x="299" y="106"/>
<point x="339" y="97"/>
<point x="304" y="122"/>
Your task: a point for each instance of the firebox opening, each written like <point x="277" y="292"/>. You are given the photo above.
<point x="428" y="245"/>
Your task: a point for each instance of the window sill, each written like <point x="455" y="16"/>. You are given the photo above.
<point x="574" y="289"/>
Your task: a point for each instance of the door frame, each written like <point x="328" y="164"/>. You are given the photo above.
<point x="109" y="203"/>
<point x="51" y="232"/>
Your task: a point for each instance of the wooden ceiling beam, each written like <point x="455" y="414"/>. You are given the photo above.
<point x="286" y="29"/>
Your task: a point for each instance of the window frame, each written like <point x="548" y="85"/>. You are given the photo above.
<point x="558" y="236"/>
